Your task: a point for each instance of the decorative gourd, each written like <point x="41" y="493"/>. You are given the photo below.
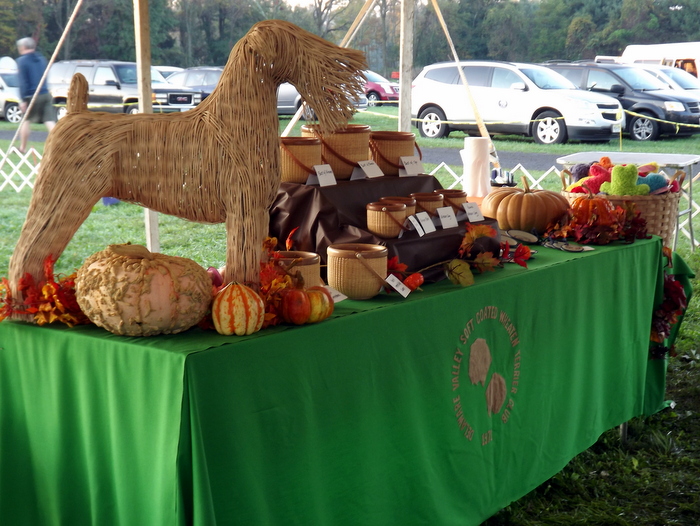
<point x="590" y="209"/>
<point x="312" y="305"/>
<point x="523" y="208"/>
<point x="237" y="309"/>
<point x="131" y="291"/>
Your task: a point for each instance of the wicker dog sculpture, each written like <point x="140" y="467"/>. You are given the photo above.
<point x="217" y="163"/>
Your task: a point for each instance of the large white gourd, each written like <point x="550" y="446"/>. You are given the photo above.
<point x="131" y="291"/>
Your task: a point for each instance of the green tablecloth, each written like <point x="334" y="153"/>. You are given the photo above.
<point x="439" y="409"/>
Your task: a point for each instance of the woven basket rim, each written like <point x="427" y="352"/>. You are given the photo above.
<point x="350" y="128"/>
<point x="408" y="201"/>
<point x="307" y="258"/>
<point x="300" y="141"/>
<point x="348" y="250"/>
<point x="390" y="206"/>
<point x="384" y="135"/>
<point x="427" y="196"/>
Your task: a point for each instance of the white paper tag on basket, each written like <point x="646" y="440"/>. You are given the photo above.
<point x="397" y="285"/>
<point x="324" y="175"/>
<point x="368" y="169"/>
<point x="447" y="216"/>
<point x="412" y="165"/>
<point x="473" y="212"/>
<point x="426" y="222"/>
<point x="416" y="225"/>
<point x="336" y="295"/>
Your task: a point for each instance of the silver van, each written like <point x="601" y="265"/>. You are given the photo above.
<point x="511" y="98"/>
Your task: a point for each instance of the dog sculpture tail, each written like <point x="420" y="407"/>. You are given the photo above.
<point x="77" y="94"/>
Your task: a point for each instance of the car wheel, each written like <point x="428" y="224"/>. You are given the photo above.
<point x="13" y="113"/>
<point x="373" y="99"/>
<point x="644" y="129"/>
<point x="133" y="109"/>
<point x="61" y="111"/>
<point x="432" y="123"/>
<point x="549" y="128"/>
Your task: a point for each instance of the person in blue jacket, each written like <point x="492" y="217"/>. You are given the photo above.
<point x="31" y="66"/>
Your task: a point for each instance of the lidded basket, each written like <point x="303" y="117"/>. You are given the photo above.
<point x="357" y="276"/>
<point x="298" y="156"/>
<point x="342" y="149"/>
<point x="385" y="219"/>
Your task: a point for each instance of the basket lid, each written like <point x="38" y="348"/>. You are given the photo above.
<point x="392" y="136"/>
<point x="408" y="201"/>
<point x="350" y="128"/>
<point x="451" y="192"/>
<point x="427" y="196"/>
<point x="389" y="206"/>
<point x="300" y="141"/>
<point x="348" y="250"/>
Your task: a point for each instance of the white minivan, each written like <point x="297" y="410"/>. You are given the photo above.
<point x="511" y="98"/>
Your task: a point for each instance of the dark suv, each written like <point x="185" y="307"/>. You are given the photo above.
<point x="113" y="87"/>
<point x="656" y="110"/>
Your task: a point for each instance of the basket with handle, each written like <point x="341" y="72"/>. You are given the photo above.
<point x="308" y="264"/>
<point x="342" y="149"/>
<point x="385" y="219"/>
<point x="428" y="202"/>
<point x="410" y="202"/>
<point x="388" y="147"/>
<point x="357" y="270"/>
<point x="298" y="156"/>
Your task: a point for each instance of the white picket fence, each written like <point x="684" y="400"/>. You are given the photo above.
<point x="19" y="170"/>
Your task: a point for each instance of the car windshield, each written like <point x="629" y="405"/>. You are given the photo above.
<point x="547" y="79"/>
<point x="10" y="79"/>
<point x="127" y="74"/>
<point x="639" y="79"/>
<point x="684" y="79"/>
<point x="374" y="77"/>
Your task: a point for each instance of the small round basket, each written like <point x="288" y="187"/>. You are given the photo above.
<point x="342" y="149"/>
<point x="660" y="211"/>
<point x="308" y="264"/>
<point x="388" y="147"/>
<point x="410" y="202"/>
<point x="298" y="156"/>
<point x="385" y="219"/>
<point x="349" y="274"/>
<point x="453" y="197"/>
<point x="428" y="202"/>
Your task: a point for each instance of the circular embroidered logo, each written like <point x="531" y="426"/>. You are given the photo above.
<point x="489" y="350"/>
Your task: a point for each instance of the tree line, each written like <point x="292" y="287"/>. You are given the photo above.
<point x="202" y="32"/>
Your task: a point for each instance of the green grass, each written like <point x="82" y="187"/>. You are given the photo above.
<point x="651" y="480"/>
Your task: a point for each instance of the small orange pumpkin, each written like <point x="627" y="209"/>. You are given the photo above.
<point x="590" y="209"/>
<point x="237" y="309"/>
<point x="524" y="208"/>
<point x="301" y="306"/>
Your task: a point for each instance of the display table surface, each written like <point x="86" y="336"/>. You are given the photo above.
<point x="437" y="409"/>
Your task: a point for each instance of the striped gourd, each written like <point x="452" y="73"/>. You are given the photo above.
<point x="237" y="309"/>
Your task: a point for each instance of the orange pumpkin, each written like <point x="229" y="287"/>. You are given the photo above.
<point x="237" y="309"/>
<point x="590" y="209"/>
<point x="524" y="208"/>
<point x="301" y="306"/>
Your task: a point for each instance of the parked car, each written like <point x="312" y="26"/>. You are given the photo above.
<point x="201" y="78"/>
<point x="9" y="96"/>
<point x="113" y="87"/>
<point x="378" y="89"/>
<point x="659" y="110"/>
<point x="166" y="71"/>
<point x="289" y="100"/>
<point x="675" y="78"/>
<point x="512" y="98"/>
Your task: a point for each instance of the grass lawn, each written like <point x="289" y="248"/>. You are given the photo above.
<point x="651" y="480"/>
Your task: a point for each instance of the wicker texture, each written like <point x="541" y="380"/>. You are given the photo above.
<point x="208" y="164"/>
<point x="308" y="264"/>
<point x="298" y="157"/>
<point x="660" y="211"/>
<point x="428" y="202"/>
<point x="385" y="219"/>
<point x="453" y="197"/>
<point x="410" y="202"/>
<point x="388" y="147"/>
<point x="349" y="275"/>
<point x="343" y="148"/>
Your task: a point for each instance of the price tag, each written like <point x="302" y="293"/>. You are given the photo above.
<point x="416" y="224"/>
<point x="412" y="165"/>
<point x="426" y="222"/>
<point x="473" y="212"/>
<point x="368" y="169"/>
<point x="397" y="285"/>
<point x="447" y="217"/>
<point x="336" y="295"/>
<point x="323" y="176"/>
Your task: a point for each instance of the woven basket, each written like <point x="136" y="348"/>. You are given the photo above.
<point x="385" y="219"/>
<point x="428" y="202"/>
<point x="387" y="148"/>
<point x="298" y="156"/>
<point x="308" y="264"/>
<point x="349" y="275"/>
<point x="453" y="197"/>
<point x="342" y="149"/>
<point x="660" y="211"/>
<point x="410" y="202"/>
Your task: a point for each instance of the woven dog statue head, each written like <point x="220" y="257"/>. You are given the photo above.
<point x="217" y="163"/>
